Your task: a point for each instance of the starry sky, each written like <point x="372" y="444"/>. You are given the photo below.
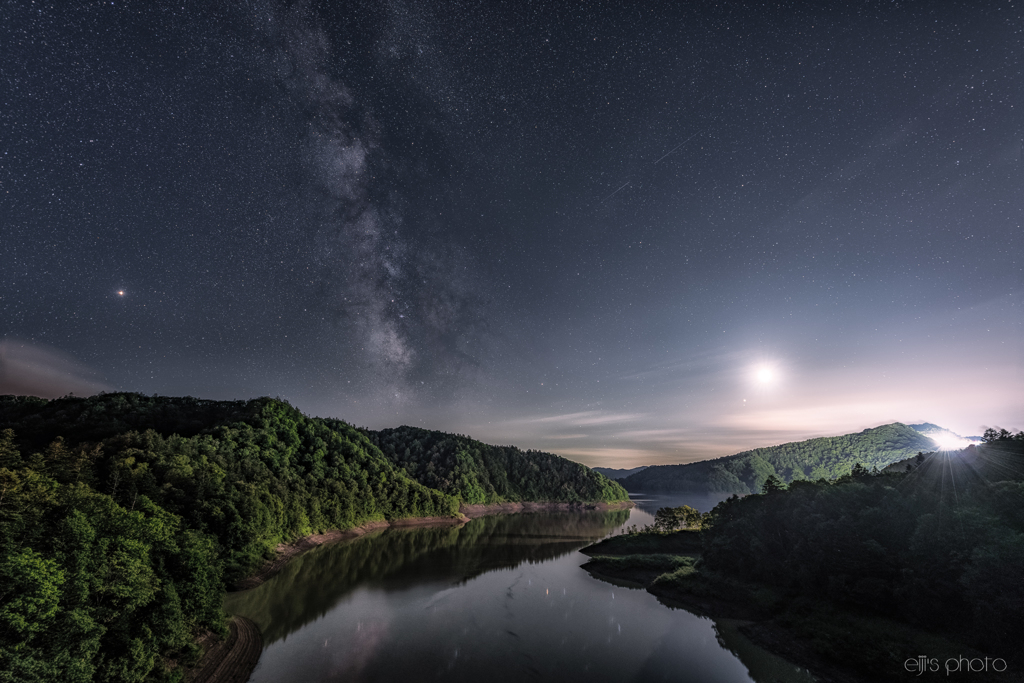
<point x="627" y="233"/>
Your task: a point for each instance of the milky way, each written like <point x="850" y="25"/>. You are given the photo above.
<point x="404" y="296"/>
<point x="576" y="228"/>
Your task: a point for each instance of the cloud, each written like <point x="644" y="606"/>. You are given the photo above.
<point x="33" y="370"/>
<point x="589" y="418"/>
<point x="699" y="365"/>
<point x="609" y="457"/>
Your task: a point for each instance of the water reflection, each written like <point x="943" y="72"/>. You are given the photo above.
<point x="393" y="559"/>
<point x="762" y="665"/>
<point x="499" y="599"/>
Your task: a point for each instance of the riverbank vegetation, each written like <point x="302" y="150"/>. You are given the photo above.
<point x="122" y="518"/>
<point x="869" y="570"/>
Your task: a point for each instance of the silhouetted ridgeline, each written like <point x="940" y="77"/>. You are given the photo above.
<point x="122" y="516"/>
<point x="475" y="472"/>
<point x="823" y="458"/>
<point x="612" y="473"/>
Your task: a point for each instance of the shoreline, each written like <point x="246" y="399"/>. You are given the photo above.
<point x="761" y="630"/>
<point x="832" y="642"/>
<point x="288" y="551"/>
<point x="780" y="632"/>
<point x="285" y="552"/>
<point x="485" y="509"/>
<point x="753" y="623"/>
<point x="234" y="659"/>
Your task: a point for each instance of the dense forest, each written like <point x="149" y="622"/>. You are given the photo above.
<point x="122" y="517"/>
<point x="475" y="472"/>
<point x="940" y="545"/>
<point x="823" y="458"/>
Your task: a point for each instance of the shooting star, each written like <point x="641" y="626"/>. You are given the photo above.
<point x="616" y="191"/>
<point x="659" y="159"/>
<point x="679" y="145"/>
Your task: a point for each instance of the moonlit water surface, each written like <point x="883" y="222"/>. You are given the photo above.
<point x="499" y="599"/>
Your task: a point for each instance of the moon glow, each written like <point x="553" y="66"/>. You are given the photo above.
<point x="764" y="375"/>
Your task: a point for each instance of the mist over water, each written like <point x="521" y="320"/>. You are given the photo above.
<point x="647" y="504"/>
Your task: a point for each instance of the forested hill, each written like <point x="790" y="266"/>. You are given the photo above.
<point x="476" y="472"/>
<point x="939" y="544"/>
<point x="123" y="516"/>
<point x="822" y="458"/>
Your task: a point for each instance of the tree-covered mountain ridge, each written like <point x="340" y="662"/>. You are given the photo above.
<point x="821" y="458"/>
<point x="478" y="473"/>
<point x="123" y="517"/>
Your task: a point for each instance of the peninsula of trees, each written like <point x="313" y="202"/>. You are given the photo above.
<point x="857" y="573"/>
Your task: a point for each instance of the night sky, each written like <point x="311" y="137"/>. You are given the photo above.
<point x="625" y="233"/>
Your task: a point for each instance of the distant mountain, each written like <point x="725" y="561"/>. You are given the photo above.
<point x="618" y="474"/>
<point x="475" y="472"/>
<point x="944" y="439"/>
<point x="822" y="458"/>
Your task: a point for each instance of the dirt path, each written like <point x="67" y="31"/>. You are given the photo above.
<point x="233" y="660"/>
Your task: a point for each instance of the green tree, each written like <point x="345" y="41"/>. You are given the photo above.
<point x="30" y="590"/>
<point x="10" y="456"/>
<point x="772" y="484"/>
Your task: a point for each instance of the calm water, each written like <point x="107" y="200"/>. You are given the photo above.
<point x="499" y="599"/>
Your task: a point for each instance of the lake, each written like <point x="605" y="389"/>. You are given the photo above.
<point x="501" y="598"/>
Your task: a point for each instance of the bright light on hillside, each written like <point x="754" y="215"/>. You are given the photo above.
<point x="949" y="442"/>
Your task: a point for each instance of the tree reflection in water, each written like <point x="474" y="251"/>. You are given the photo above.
<point x="309" y="586"/>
